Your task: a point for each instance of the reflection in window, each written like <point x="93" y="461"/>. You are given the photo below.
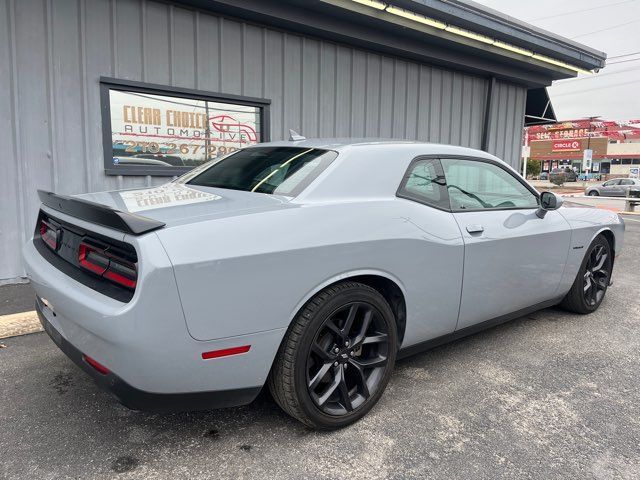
<point x="275" y="170"/>
<point x="168" y="131"/>
<point x="422" y="183"/>
<point x="473" y="184"/>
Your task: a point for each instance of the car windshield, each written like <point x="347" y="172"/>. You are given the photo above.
<point x="275" y="170"/>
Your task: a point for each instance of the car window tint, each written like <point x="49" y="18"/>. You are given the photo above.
<point x="611" y="183"/>
<point x="275" y="170"/>
<point x="473" y="185"/>
<point x="626" y="182"/>
<point x="425" y="183"/>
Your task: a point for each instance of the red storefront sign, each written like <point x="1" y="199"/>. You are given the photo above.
<point x="565" y="145"/>
<point x="623" y="130"/>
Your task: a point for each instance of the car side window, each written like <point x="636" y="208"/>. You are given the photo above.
<point x="611" y="183"/>
<point x="424" y="182"/>
<point x="626" y="182"/>
<point x="478" y="185"/>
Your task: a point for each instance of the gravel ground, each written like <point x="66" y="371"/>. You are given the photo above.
<point x="551" y="395"/>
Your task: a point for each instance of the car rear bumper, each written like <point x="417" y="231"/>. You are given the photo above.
<point x="145" y="342"/>
<point x="137" y="399"/>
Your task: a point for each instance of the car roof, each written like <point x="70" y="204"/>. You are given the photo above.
<point x="341" y="144"/>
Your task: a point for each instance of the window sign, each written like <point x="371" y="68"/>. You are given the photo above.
<point x="149" y="131"/>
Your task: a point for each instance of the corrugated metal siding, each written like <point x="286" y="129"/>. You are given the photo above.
<point x="507" y="122"/>
<point x="52" y="53"/>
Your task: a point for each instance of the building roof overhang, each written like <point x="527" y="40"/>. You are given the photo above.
<point x="532" y="57"/>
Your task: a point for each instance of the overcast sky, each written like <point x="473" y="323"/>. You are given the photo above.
<point x="611" y="26"/>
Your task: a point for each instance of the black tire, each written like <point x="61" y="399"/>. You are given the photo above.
<point x="592" y="280"/>
<point x="593" y="193"/>
<point x="309" y="348"/>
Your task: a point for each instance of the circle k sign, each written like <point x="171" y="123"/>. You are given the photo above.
<point x="566" y="145"/>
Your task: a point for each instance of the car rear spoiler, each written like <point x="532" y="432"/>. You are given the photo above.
<point x="99" y="214"/>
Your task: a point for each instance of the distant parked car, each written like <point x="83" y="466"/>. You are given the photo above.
<point x="140" y="161"/>
<point x="617" y="187"/>
<point x="173" y="160"/>
<point x="569" y="174"/>
<point x="589" y="176"/>
<point x="544" y="176"/>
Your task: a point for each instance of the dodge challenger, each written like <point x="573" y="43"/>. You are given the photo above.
<point x="307" y="266"/>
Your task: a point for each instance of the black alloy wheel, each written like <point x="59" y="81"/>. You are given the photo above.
<point x="337" y="356"/>
<point x="596" y="275"/>
<point x="347" y="358"/>
<point x="593" y="278"/>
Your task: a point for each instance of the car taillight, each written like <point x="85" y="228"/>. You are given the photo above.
<point x="122" y="273"/>
<point x="92" y="259"/>
<point x="49" y="234"/>
<point x="101" y="262"/>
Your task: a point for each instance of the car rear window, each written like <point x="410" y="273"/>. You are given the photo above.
<point x="274" y="170"/>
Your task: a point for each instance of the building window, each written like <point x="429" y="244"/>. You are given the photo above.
<point x="156" y="130"/>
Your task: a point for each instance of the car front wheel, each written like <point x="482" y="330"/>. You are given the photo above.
<point x="336" y="358"/>
<point x="592" y="280"/>
<point x="593" y="193"/>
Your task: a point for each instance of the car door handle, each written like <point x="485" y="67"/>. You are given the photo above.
<point x="475" y="228"/>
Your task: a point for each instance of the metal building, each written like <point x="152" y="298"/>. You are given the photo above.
<point x="105" y="94"/>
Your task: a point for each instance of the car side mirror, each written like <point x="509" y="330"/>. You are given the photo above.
<point x="548" y="201"/>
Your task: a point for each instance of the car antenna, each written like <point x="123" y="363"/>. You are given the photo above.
<point x="294" y="136"/>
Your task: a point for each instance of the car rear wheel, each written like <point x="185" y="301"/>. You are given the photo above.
<point x="336" y="358"/>
<point x="592" y="280"/>
<point x="593" y="193"/>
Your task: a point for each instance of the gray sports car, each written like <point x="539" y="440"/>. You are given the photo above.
<point x="307" y="266"/>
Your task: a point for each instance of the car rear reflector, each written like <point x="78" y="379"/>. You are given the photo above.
<point x="101" y="262"/>
<point x="101" y="369"/>
<point x="50" y="234"/>
<point x="225" y="352"/>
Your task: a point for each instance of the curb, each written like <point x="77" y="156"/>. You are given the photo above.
<point x="19" y="324"/>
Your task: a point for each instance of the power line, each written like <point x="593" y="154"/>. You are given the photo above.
<point x="593" y="77"/>
<point x="579" y="11"/>
<point x="623" y="61"/>
<point x="574" y="92"/>
<point x="606" y="29"/>
<point x="625" y="55"/>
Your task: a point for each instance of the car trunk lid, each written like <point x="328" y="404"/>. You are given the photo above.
<point x="178" y="204"/>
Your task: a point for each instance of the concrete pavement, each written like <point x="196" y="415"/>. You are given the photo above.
<point x="550" y="395"/>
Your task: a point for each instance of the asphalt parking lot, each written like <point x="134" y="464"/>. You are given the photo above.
<point x="550" y="395"/>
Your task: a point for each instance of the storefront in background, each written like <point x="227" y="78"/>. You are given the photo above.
<point x="568" y="153"/>
<point x="127" y="94"/>
<point x="614" y="145"/>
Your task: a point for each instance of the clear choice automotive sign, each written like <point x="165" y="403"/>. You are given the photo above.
<point x="169" y="131"/>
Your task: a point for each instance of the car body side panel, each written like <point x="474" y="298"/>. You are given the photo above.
<point x="255" y="276"/>
<point x="516" y="262"/>
<point x="586" y="223"/>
